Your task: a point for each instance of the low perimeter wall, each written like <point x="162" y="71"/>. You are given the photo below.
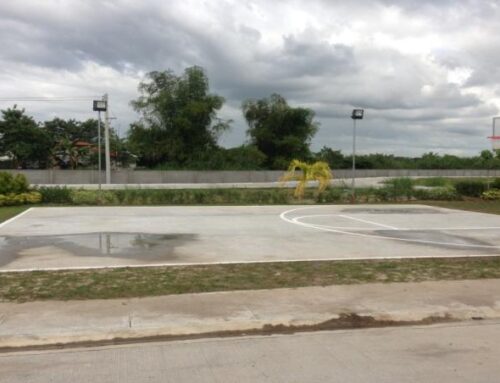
<point x="72" y="177"/>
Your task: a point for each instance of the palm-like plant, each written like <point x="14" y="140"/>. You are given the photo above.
<point x="302" y="172"/>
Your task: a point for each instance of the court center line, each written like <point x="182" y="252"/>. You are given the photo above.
<point x="369" y="222"/>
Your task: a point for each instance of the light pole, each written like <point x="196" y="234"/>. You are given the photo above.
<point x="106" y="141"/>
<point x="99" y="106"/>
<point x="357" y="114"/>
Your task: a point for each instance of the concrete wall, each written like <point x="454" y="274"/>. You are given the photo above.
<point x="186" y="176"/>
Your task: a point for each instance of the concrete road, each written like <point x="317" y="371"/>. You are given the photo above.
<point x="79" y="237"/>
<point x="443" y="353"/>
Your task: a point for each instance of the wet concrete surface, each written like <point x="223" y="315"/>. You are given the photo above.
<point x="79" y="237"/>
<point x="142" y="246"/>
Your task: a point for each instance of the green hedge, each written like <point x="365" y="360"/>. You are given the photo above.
<point x="56" y="195"/>
<point x="471" y="188"/>
<point x="20" y="198"/>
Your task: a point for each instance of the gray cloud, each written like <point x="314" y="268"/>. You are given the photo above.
<point x="425" y="71"/>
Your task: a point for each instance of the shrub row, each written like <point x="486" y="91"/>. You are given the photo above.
<point x="395" y="191"/>
<point x="399" y="189"/>
<point x="165" y="197"/>
<point x="20" y="198"/>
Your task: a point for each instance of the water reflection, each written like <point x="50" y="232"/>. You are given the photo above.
<point x="131" y="245"/>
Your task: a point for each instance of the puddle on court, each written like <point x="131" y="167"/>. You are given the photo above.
<point x="143" y="246"/>
<point x="396" y="210"/>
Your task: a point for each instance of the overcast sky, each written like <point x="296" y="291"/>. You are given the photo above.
<point x="426" y="72"/>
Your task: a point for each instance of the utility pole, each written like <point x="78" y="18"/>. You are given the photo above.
<point x="106" y="140"/>
<point x="99" y="164"/>
<point x="357" y="114"/>
<point x="353" y="182"/>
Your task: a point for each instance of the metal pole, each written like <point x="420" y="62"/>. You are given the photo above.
<point x="353" y="184"/>
<point x="99" y="148"/>
<point x="106" y="141"/>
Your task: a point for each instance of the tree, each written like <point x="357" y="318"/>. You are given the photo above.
<point x="334" y="158"/>
<point x="318" y="171"/>
<point x="279" y="131"/>
<point x="179" y="117"/>
<point x="69" y="139"/>
<point x="22" y="139"/>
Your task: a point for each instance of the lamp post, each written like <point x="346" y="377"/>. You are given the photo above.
<point x="357" y="114"/>
<point x="99" y="106"/>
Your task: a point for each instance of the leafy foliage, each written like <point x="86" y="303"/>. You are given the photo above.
<point x="279" y="131"/>
<point x="58" y="195"/>
<point x="22" y="139"/>
<point x="13" y="184"/>
<point x="337" y="160"/>
<point x="491" y="195"/>
<point x="178" y="117"/>
<point x="318" y="171"/>
<point x="471" y="188"/>
<point x="20" y="199"/>
<point x="15" y="190"/>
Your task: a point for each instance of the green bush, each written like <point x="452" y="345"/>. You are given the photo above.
<point x="437" y="194"/>
<point x="470" y="188"/>
<point x="395" y="189"/>
<point x="495" y="184"/>
<point x="20" y="198"/>
<point x="331" y="195"/>
<point x="10" y="184"/>
<point x="61" y="195"/>
<point x="491" y="195"/>
<point x="93" y="197"/>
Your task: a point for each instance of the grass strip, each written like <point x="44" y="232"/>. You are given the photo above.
<point x="7" y="212"/>
<point x="141" y="282"/>
<point x="472" y="204"/>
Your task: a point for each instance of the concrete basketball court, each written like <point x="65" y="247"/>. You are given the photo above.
<point x="87" y="237"/>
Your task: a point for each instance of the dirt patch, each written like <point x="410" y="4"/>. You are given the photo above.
<point x="345" y="321"/>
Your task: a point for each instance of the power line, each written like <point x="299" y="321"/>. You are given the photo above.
<point x="49" y="99"/>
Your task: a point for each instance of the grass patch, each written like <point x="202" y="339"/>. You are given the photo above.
<point x="7" y="212"/>
<point x="141" y="282"/>
<point x="473" y="204"/>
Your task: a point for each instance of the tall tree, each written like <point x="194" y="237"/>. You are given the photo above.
<point x="23" y="139"/>
<point x="179" y="117"/>
<point x="281" y="132"/>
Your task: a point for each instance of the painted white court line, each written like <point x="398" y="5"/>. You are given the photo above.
<point x="284" y="217"/>
<point x="345" y="216"/>
<point x="369" y="222"/>
<point x="5" y="223"/>
<point x="364" y="228"/>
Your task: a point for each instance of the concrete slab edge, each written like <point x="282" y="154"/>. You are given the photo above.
<point x="340" y="321"/>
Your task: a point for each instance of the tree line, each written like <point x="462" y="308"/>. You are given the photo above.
<point x="179" y="129"/>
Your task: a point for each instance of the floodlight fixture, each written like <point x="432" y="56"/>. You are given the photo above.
<point x="357" y="114"/>
<point x="100" y="105"/>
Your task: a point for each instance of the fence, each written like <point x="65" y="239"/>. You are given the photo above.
<point x="126" y="176"/>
